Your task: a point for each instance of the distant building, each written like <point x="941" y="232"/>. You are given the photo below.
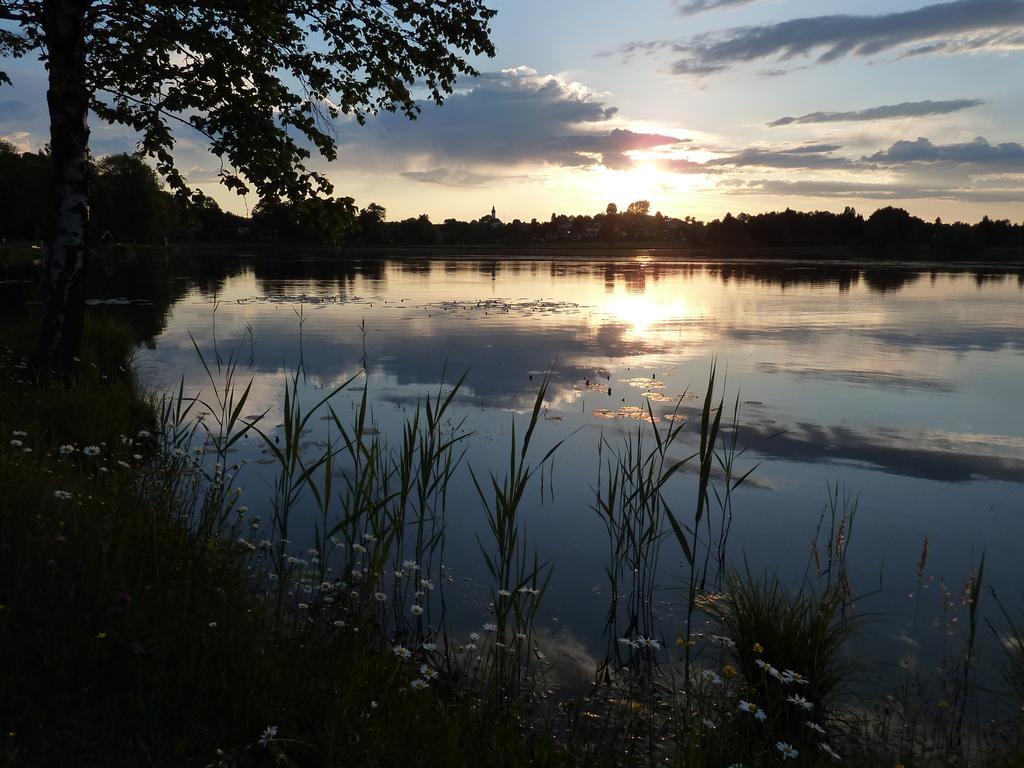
<point x="491" y="219"/>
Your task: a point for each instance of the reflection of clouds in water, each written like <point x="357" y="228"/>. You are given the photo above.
<point x="573" y="665"/>
<point x="990" y="339"/>
<point x="827" y="355"/>
<point x="871" y="378"/>
<point x="951" y="460"/>
<point x="500" y="352"/>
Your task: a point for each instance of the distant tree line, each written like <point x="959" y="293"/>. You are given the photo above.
<point x="128" y="202"/>
<point x="130" y="205"/>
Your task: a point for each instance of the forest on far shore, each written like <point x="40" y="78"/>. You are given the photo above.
<point x="130" y="205"/>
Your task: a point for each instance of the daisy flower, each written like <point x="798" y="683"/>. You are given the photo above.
<point x="801" y="702"/>
<point x="787" y="750"/>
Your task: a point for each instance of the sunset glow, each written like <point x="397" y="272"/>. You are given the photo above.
<point x="701" y="108"/>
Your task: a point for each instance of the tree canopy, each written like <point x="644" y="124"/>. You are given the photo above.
<point x="639" y="208"/>
<point x="261" y="81"/>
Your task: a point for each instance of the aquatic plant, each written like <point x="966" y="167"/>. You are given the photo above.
<point x="146" y="612"/>
<point x="518" y="581"/>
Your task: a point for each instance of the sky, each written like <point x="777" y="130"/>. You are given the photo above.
<point x="701" y="107"/>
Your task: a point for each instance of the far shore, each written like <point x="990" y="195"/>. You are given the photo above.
<point x="21" y="254"/>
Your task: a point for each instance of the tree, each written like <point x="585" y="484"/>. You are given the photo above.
<point x="126" y="200"/>
<point x="314" y="221"/>
<point x="260" y="81"/>
<point x="612" y="209"/>
<point x="371" y="223"/>
<point x="639" y="208"/>
<point x="24" y="194"/>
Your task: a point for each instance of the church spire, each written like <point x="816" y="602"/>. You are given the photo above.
<point x="494" y="212"/>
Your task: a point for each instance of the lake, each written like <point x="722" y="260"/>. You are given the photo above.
<point x="898" y="384"/>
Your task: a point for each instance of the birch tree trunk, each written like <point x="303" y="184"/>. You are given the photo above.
<point x="64" y="29"/>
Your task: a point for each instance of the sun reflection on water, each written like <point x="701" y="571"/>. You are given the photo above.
<point x="643" y="313"/>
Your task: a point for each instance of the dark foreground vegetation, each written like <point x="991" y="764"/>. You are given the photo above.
<point x="129" y="205"/>
<point x="147" y="617"/>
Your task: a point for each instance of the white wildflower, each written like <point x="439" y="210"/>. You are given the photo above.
<point x="427" y="672"/>
<point x="796" y="677"/>
<point x="711" y="676"/>
<point x="801" y="702"/>
<point x="787" y="750"/>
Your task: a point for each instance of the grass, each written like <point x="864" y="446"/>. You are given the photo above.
<point x="149" y="619"/>
<point x="19" y="254"/>
<point x="131" y="637"/>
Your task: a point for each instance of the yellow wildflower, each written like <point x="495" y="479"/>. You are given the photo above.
<point x="729" y="670"/>
<point x="758" y="648"/>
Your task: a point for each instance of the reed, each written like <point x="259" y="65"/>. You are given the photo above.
<point x="147" y="616"/>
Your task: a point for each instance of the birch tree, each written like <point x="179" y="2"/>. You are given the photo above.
<point x="260" y="80"/>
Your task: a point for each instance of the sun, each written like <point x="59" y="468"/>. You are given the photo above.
<point x="665" y="191"/>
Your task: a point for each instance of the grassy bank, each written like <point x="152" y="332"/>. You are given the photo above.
<point x="148" y="618"/>
<point x="129" y="639"/>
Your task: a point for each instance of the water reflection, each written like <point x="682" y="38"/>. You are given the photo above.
<point x="901" y="382"/>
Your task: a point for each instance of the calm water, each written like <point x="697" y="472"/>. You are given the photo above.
<point x="902" y="385"/>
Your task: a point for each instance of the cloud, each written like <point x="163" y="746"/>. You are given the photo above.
<point x="682" y="165"/>
<point x="449" y="178"/>
<point x="887" y="112"/>
<point x="508" y="118"/>
<point x="612" y="147"/>
<point x="17" y="109"/>
<point x="973" y="154"/>
<point x="20" y="140"/>
<point x="976" y="170"/>
<point x="874" y="191"/>
<point x="951" y="27"/>
<point x="688" y="7"/>
<point x="804" y="156"/>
